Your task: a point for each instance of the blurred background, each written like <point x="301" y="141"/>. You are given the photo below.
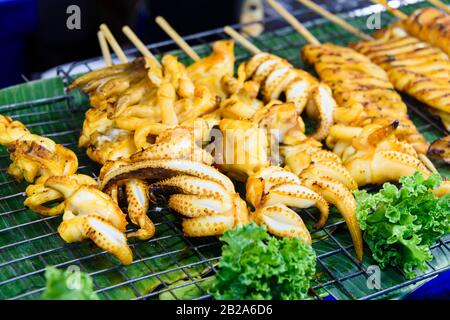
<point x="35" y="38"/>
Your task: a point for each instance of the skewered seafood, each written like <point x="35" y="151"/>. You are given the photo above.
<point x="248" y="137"/>
<point x="50" y="167"/>
<point x="274" y="77"/>
<point x="34" y="158"/>
<point x="430" y="25"/>
<point x="176" y="143"/>
<point x="134" y="103"/>
<point x="209" y="71"/>
<point x="373" y="155"/>
<point x="90" y="213"/>
<point x="425" y="66"/>
<point x="362" y="90"/>
<point x="413" y="66"/>
<point x="136" y="100"/>
<point x="204" y="196"/>
<point x="271" y="190"/>
<point x="323" y="172"/>
<point x="244" y="148"/>
<point x="317" y="174"/>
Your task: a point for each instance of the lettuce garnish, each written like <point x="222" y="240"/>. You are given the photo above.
<point x="400" y="225"/>
<point x="256" y="265"/>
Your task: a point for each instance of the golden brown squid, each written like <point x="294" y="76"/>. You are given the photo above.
<point x="50" y="167"/>
<point x="205" y="197"/>
<point x="273" y="77"/>
<point x="176" y="143"/>
<point x="316" y="176"/>
<point x="34" y="158"/>
<point x="90" y="213"/>
<point x="362" y="91"/>
<point x="133" y="103"/>
<point x="414" y="67"/>
<point x="373" y="155"/>
<point x="430" y="25"/>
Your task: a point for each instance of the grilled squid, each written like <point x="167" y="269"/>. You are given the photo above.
<point x="272" y="191"/>
<point x="34" y="158"/>
<point x="176" y="143"/>
<point x="276" y="79"/>
<point x="131" y="105"/>
<point x="362" y="90"/>
<point x="88" y="213"/>
<point x="414" y="67"/>
<point x="430" y="25"/>
<point x="204" y="196"/>
<point x="312" y="175"/>
<point x="91" y="214"/>
<point x="373" y="155"/>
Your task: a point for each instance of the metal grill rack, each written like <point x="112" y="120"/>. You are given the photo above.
<point x="168" y="263"/>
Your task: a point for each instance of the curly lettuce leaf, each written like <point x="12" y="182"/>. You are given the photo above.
<point x="67" y="285"/>
<point x="255" y="265"/>
<point x="400" y="225"/>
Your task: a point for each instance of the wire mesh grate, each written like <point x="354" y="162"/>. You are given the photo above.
<point x="169" y="263"/>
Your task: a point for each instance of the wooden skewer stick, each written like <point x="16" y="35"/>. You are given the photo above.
<point x="113" y="43"/>
<point x="138" y="44"/>
<point x="394" y="11"/>
<point x="427" y="162"/>
<point x="440" y="4"/>
<point x="105" y="49"/>
<point x="241" y="39"/>
<point x="300" y="28"/>
<point x="334" y="18"/>
<point x="176" y="37"/>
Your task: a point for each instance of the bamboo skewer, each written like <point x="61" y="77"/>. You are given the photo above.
<point x="300" y="28"/>
<point x="177" y="38"/>
<point x="138" y="44"/>
<point x="440" y="5"/>
<point x="113" y="43"/>
<point x="105" y="49"/>
<point x="334" y="18"/>
<point x="393" y="11"/>
<point x="241" y="39"/>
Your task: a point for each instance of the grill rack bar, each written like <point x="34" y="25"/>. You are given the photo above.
<point x="335" y="281"/>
